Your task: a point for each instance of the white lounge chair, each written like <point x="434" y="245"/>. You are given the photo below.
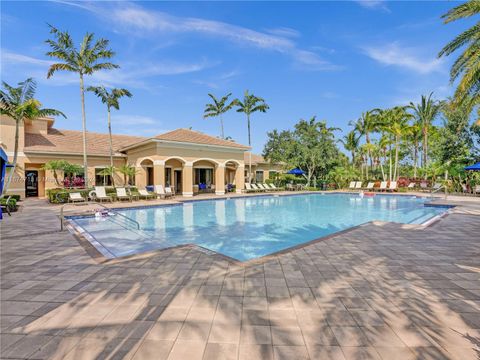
<point x="423" y="186"/>
<point x="411" y="186"/>
<point x="159" y="191"/>
<point x="101" y="194"/>
<point x="352" y="185"/>
<point x="169" y="192"/>
<point x="122" y="194"/>
<point x="264" y="187"/>
<point x="248" y="188"/>
<point x="273" y="187"/>
<point x="254" y="187"/>
<point x="76" y="197"/>
<point x="393" y="186"/>
<point x="436" y="186"/>
<point x="358" y="185"/>
<point x="370" y="186"/>
<point x="476" y="190"/>
<point x="383" y="186"/>
<point x="143" y="193"/>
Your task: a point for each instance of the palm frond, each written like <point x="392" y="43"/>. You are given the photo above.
<point x="465" y="10"/>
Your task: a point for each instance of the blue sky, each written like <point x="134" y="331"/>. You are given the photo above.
<point x="330" y="59"/>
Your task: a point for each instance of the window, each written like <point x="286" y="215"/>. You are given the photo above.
<point x="102" y="180"/>
<point x="203" y="176"/>
<point x="259" y="176"/>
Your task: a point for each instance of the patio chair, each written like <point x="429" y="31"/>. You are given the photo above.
<point x="274" y="188"/>
<point x="76" y="197"/>
<point x="352" y="185"/>
<point x="358" y="185"/>
<point x="370" y="186"/>
<point x="159" y="191"/>
<point x="122" y="194"/>
<point x="393" y="186"/>
<point x="254" y="187"/>
<point x="145" y="194"/>
<point x="423" y="186"/>
<point x="464" y="189"/>
<point x="101" y="194"/>
<point x="476" y="190"/>
<point x="248" y="188"/>
<point x="264" y="187"/>
<point x="168" y="192"/>
<point x="411" y="186"/>
<point x="383" y="186"/>
<point x="436" y="186"/>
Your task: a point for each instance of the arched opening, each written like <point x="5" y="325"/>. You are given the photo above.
<point x="174" y="173"/>
<point x="231" y="168"/>
<point x="145" y="174"/>
<point x="204" y="176"/>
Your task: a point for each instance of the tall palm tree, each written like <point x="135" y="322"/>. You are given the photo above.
<point x="366" y="125"/>
<point x="19" y="103"/>
<point x="351" y="142"/>
<point x="218" y="108"/>
<point x="398" y="128"/>
<point x="467" y="65"/>
<point x="54" y="166"/>
<point x="109" y="98"/>
<point x="414" y="137"/>
<point x="425" y="112"/>
<point x="128" y="171"/>
<point x="251" y="104"/>
<point x="84" y="61"/>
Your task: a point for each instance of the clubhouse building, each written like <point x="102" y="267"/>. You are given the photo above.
<point x="189" y="161"/>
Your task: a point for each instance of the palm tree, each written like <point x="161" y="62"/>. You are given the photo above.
<point x="83" y="61"/>
<point x="351" y="142"/>
<point x="414" y="137"/>
<point x="111" y="100"/>
<point x="20" y="104"/>
<point x="218" y="108"/>
<point x="398" y="128"/>
<point x="128" y="172"/>
<point x="250" y="105"/>
<point x="108" y="171"/>
<point x="54" y="166"/>
<point x="366" y="125"/>
<point x="425" y="113"/>
<point x="467" y="65"/>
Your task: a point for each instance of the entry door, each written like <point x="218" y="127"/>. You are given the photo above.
<point x="31" y="183"/>
<point x="178" y="181"/>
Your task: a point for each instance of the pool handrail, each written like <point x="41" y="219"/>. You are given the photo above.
<point x="62" y="216"/>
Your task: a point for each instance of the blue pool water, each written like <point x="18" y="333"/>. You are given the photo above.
<point x="249" y="227"/>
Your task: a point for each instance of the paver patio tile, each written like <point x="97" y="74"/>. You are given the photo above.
<point x="224" y="333"/>
<point x="319" y="335"/>
<point x="185" y="349"/>
<point x="255" y="317"/>
<point x="26" y="346"/>
<point x="217" y="351"/>
<point x="287" y="335"/>
<point x="350" y="336"/>
<point x="164" y="330"/>
<point x="395" y="353"/>
<point x="360" y="353"/>
<point x="195" y="331"/>
<point x="325" y="352"/>
<point x="255" y="334"/>
<point x="255" y="352"/>
<point x="290" y="352"/>
<point x="153" y="349"/>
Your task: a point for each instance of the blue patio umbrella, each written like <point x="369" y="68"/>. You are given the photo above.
<point x="474" y="167"/>
<point x="296" y="171"/>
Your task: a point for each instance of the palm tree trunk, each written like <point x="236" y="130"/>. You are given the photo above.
<point x="390" y="161"/>
<point x="221" y="125"/>
<point x="250" y="153"/>
<point x="84" y="125"/>
<point x="425" y="149"/>
<point x="110" y="135"/>
<point x="396" y="158"/>
<point x="15" y="157"/>
<point x="415" y="159"/>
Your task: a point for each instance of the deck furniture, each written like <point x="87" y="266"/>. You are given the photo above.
<point x="411" y="186"/>
<point x="254" y="187"/>
<point x="160" y="191"/>
<point x="358" y="185"/>
<point x="143" y="193"/>
<point x="383" y="186"/>
<point x="423" y="186"/>
<point x="370" y="186"/>
<point x="274" y="188"/>
<point x="393" y="186"/>
<point x="76" y="197"/>
<point x="122" y="194"/>
<point x="476" y="190"/>
<point x="101" y="194"/>
<point x="352" y="185"/>
<point x="248" y="188"/>
<point x="169" y="192"/>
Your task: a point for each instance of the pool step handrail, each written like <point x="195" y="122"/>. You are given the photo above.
<point x="441" y="187"/>
<point x="62" y="216"/>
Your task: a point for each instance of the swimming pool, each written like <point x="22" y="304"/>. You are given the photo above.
<point x="248" y="227"/>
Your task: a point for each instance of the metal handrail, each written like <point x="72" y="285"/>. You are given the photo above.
<point x="62" y="216"/>
<point x="437" y="190"/>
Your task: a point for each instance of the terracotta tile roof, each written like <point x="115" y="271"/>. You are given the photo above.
<point x="196" y="137"/>
<point x="256" y="159"/>
<point x="71" y="141"/>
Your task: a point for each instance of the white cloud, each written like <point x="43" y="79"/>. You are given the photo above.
<point x="141" y="125"/>
<point x="133" y="75"/>
<point x="373" y="4"/>
<point x="393" y="54"/>
<point x="137" y="20"/>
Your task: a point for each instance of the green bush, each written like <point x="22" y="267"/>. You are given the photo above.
<point x="12" y="203"/>
<point x="60" y="196"/>
<point x="14" y="196"/>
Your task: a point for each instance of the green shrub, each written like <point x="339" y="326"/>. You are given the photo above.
<point x="12" y="204"/>
<point x="60" y="196"/>
<point x="14" y="196"/>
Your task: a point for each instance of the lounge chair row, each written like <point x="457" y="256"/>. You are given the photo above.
<point x="100" y="194"/>
<point x="260" y="187"/>
<point x="384" y="186"/>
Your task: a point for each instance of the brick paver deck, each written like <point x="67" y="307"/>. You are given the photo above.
<point x="382" y="291"/>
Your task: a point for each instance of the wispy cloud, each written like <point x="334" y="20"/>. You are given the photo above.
<point x="134" y="19"/>
<point x="393" y="54"/>
<point x="142" y="125"/>
<point x="374" y="4"/>
<point x="134" y="75"/>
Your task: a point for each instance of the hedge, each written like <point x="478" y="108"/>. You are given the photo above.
<point x="12" y="203"/>
<point x="58" y="196"/>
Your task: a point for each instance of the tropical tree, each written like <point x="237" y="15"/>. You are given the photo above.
<point x="109" y="98"/>
<point x="351" y="142"/>
<point x="84" y="61"/>
<point x="425" y="112"/>
<point x="19" y="103"/>
<point x="251" y="104"/>
<point x="217" y="108"/>
<point x="108" y="171"/>
<point x="366" y="125"/>
<point x="398" y="128"/>
<point x="414" y="137"/>
<point x="71" y="171"/>
<point x="467" y="65"/>
<point x="128" y="172"/>
<point x="54" y="166"/>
